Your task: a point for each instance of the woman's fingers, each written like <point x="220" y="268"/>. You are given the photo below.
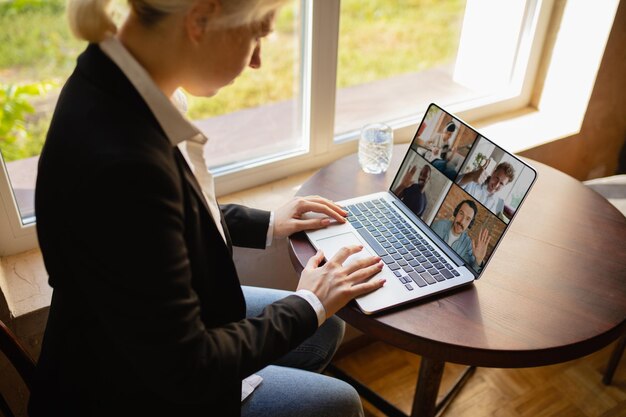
<point x="324" y="207"/>
<point x="359" y="269"/>
<point x="315" y="260"/>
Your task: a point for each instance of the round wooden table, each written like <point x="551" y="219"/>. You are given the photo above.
<point x="555" y="289"/>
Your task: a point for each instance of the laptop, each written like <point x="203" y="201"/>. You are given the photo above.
<point x="437" y="226"/>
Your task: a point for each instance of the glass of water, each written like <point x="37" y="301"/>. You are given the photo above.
<point x="375" y="147"/>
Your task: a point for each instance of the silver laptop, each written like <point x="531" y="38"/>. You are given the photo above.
<point x="436" y="228"/>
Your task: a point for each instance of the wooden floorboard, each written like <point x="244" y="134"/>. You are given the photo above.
<point x="569" y="389"/>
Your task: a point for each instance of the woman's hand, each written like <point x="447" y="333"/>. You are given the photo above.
<point x="335" y="283"/>
<point x="288" y="218"/>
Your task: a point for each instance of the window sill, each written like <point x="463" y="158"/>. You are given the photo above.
<point x="24" y="284"/>
<point x="528" y="128"/>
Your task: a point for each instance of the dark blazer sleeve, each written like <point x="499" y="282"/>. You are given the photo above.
<point x="137" y="279"/>
<point x="247" y="226"/>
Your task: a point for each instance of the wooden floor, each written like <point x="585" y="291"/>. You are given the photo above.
<point x="570" y="389"/>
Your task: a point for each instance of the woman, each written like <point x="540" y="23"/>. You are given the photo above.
<point x="147" y="314"/>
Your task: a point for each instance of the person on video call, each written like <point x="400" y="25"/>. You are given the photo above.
<point x="441" y="150"/>
<point x="439" y="143"/>
<point x="485" y="188"/>
<point x="148" y="317"/>
<point x="454" y="233"/>
<point x="412" y="193"/>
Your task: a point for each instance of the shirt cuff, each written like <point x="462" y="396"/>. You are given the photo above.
<point x="315" y="302"/>
<point x="270" y="231"/>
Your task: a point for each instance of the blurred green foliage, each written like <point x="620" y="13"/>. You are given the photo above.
<point x="15" y="106"/>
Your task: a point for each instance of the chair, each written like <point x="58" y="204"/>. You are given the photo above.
<point x="19" y="358"/>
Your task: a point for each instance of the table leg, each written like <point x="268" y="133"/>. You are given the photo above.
<point x="428" y="382"/>
<point x="425" y="399"/>
<point x="618" y="350"/>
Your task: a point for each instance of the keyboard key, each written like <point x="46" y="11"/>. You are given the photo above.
<point x="455" y="272"/>
<point x="414" y="263"/>
<point x="380" y="251"/>
<point x="402" y="262"/>
<point x="398" y="273"/>
<point x="387" y="259"/>
<point x="394" y="266"/>
<point x="446" y="273"/>
<point x="396" y="256"/>
<point x="439" y="277"/>
<point x="407" y="268"/>
<point x="433" y="271"/>
<point x="428" y="278"/>
<point x="408" y="256"/>
<point x="402" y="251"/>
<point x="408" y="287"/>
<point x="419" y="269"/>
<point x="417" y="279"/>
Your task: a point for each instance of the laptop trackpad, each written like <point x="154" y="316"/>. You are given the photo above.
<point x="331" y="245"/>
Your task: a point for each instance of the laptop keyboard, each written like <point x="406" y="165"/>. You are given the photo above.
<point x="411" y="258"/>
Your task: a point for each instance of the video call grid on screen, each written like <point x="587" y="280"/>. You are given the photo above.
<point x="463" y="186"/>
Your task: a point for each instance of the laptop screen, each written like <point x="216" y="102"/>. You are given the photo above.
<point x="463" y="186"/>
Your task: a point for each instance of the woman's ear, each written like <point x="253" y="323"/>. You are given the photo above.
<point x="200" y="17"/>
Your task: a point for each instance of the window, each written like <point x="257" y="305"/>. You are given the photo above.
<point x="391" y="54"/>
<point x="304" y="108"/>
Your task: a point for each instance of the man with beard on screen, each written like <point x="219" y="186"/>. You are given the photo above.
<point x="454" y="233"/>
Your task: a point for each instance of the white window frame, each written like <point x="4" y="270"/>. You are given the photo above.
<point x="517" y="120"/>
<point x="15" y="237"/>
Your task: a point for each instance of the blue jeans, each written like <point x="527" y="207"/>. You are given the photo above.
<point x="291" y="386"/>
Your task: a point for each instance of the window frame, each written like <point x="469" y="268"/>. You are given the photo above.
<point x="320" y="31"/>
<point x="15" y="236"/>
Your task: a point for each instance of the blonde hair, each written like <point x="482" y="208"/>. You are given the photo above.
<point x="91" y="20"/>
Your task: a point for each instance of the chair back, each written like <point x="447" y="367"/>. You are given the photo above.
<point x="19" y="358"/>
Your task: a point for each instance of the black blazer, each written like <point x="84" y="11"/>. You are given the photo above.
<point x="147" y="313"/>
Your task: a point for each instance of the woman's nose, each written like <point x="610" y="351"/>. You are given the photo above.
<point x="255" y="59"/>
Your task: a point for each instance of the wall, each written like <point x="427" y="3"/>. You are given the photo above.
<point x="593" y="152"/>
